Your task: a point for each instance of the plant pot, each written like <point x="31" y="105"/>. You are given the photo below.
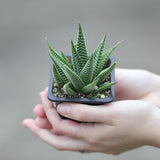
<point x="92" y="101"/>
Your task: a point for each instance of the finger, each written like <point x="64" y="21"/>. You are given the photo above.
<point x="39" y="111"/>
<point x="66" y="127"/>
<point x="85" y="113"/>
<point x="43" y="123"/>
<point x="58" y="142"/>
<point x="71" y="128"/>
<point x="49" y="110"/>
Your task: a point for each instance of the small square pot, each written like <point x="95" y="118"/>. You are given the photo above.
<point x="93" y="101"/>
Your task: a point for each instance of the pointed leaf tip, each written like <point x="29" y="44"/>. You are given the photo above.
<point x="45" y="38"/>
<point x="81" y="48"/>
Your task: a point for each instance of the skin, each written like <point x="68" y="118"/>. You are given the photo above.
<point x="131" y="121"/>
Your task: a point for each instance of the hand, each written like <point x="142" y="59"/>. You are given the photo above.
<point x="122" y="125"/>
<point x="132" y="84"/>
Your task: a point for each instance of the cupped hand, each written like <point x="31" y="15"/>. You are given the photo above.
<point x="112" y="128"/>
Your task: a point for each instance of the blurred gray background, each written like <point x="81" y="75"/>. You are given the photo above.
<point x="25" y="64"/>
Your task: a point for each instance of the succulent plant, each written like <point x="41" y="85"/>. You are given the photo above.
<point x="83" y="73"/>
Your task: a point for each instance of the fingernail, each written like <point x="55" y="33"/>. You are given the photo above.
<point x="64" y="109"/>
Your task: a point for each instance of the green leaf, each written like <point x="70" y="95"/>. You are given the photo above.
<point x="67" y="89"/>
<point x="66" y="59"/>
<point x="81" y="48"/>
<point x="87" y="71"/>
<point x="90" y="87"/>
<point x="55" y="54"/>
<point x="60" y="68"/>
<point x="75" y="59"/>
<point x="103" y="74"/>
<point x="97" y="96"/>
<point x="57" y="76"/>
<point x="97" y="56"/>
<point x="63" y="56"/>
<point x="114" y="47"/>
<point x="104" y="87"/>
<point x="106" y="55"/>
<point x="75" y="45"/>
<point x="75" y="79"/>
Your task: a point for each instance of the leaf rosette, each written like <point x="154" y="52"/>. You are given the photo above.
<point x="83" y="74"/>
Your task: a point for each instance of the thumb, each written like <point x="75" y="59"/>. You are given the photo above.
<point x="83" y="112"/>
